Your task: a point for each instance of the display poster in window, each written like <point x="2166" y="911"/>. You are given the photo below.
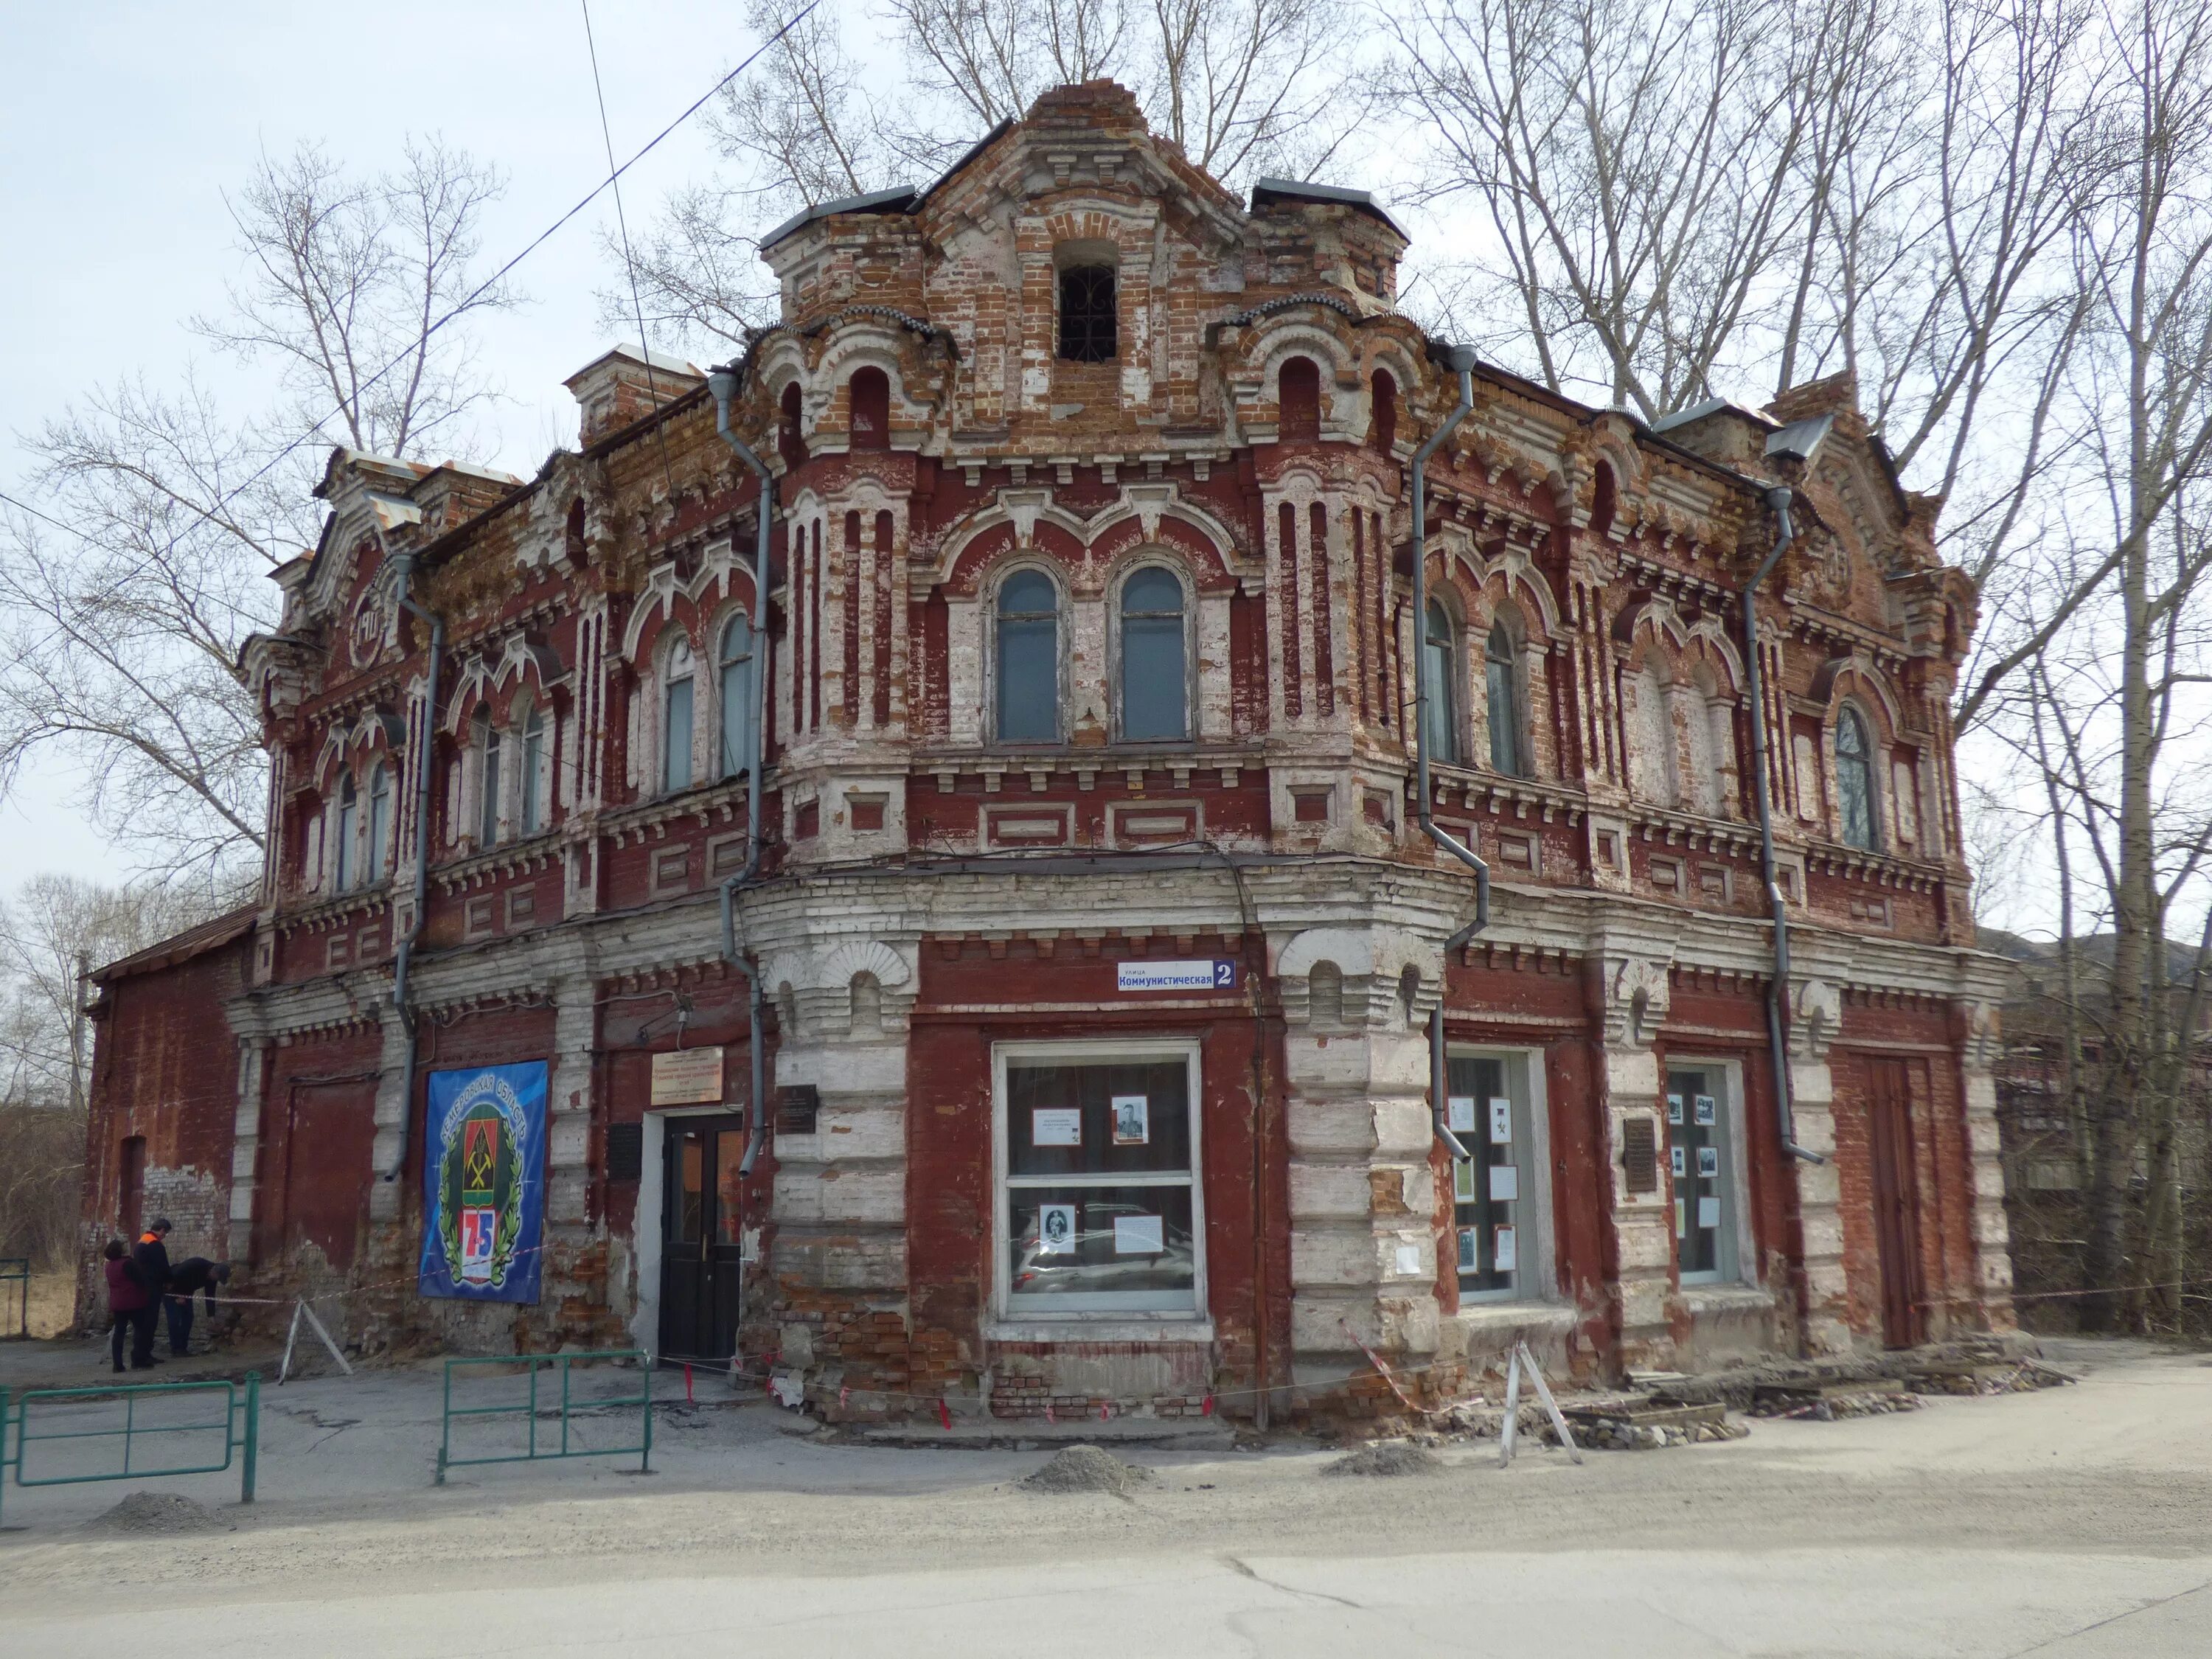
<point x="1056" y="1126"/>
<point x="1138" y="1234"/>
<point x="1132" y="1120"/>
<point x="1705" y="1111"/>
<point x="1709" y="1162"/>
<point x="1709" y="1213"/>
<point x="1681" y="1218"/>
<point x="1459" y="1113"/>
<point x="1501" y="1122"/>
<point x="483" y="1180"/>
<point x="1504" y="1184"/>
<point x="1680" y="1161"/>
<point x="1055" y="1229"/>
<point x="1504" y="1253"/>
<point x="1673" y="1109"/>
<point x="1467" y="1263"/>
<point x="1463" y="1181"/>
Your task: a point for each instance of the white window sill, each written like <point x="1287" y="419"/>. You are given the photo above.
<point x="1497" y="1318"/>
<point x="1120" y="1328"/>
<point x="1717" y="1298"/>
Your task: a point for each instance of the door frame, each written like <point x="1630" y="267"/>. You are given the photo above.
<point x="646" y="1225"/>
<point x="1902" y="1152"/>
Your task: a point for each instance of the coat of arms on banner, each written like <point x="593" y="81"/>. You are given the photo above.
<point x="484" y="1199"/>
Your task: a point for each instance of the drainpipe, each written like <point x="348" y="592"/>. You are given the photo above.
<point x="1778" y="499"/>
<point x="402" y="955"/>
<point x="722" y="385"/>
<point x="1460" y="360"/>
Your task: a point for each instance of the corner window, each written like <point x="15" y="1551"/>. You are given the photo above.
<point x="871" y="409"/>
<point x="1028" y="660"/>
<point x="1297" y="390"/>
<point x="380" y="821"/>
<point x="1855" y="782"/>
<point x="1701" y="1159"/>
<point x="676" y="722"/>
<point x="1507" y="754"/>
<point x="1098" y="1202"/>
<point x="738" y="706"/>
<point x="537" y="773"/>
<point x="790" y="437"/>
<point x="488" y="740"/>
<point x="345" y="870"/>
<point x="1440" y="719"/>
<point x="1497" y="1204"/>
<point x="1383" y="432"/>
<point x="1154" y="679"/>
<point x="1087" y="325"/>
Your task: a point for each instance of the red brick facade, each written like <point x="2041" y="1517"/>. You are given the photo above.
<point x="987" y="794"/>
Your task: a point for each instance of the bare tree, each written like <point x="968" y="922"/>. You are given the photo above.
<point x="120" y="636"/>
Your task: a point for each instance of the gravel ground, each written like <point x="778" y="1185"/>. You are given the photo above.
<point x="2035" y="1488"/>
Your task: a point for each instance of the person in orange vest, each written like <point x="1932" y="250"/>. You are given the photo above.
<point x="151" y="1259"/>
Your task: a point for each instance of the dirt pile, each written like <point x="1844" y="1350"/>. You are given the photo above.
<point x="160" y="1512"/>
<point x="1392" y="1458"/>
<point x="1086" y="1469"/>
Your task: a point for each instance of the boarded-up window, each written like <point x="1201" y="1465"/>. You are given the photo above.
<point x="1301" y="399"/>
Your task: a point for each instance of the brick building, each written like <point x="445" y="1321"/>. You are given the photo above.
<point x="1097" y="933"/>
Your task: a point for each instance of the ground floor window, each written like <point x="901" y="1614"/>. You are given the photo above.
<point x="1701" y="1157"/>
<point x="1099" y="1207"/>
<point x="1496" y="1198"/>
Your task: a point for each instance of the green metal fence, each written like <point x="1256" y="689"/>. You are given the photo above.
<point x="537" y="1403"/>
<point x="17" y="1270"/>
<point x="31" y="1418"/>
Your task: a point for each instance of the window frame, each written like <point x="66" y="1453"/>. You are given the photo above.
<point x="489" y="818"/>
<point x="346" y="827"/>
<point x="377" y="865"/>
<point x="670" y="749"/>
<point x="1737" y="1256"/>
<point x="1089" y="349"/>
<point x="995" y="658"/>
<point x="1536" y="1267"/>
<point x="1869" y="773"/>
<point x="1452" y="695"/>
<point x="1096" y="1051"/>
<point x="729" y="765"/>
<point x="1514" y="730"/>
<point x="534" y="804"/>
<point x="1118" y="619"/>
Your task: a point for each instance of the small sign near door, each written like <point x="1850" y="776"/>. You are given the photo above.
<point x="686" y="1077"/>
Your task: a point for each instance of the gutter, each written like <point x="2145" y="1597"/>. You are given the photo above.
<point x="402" y="955"/>
<point x="1461" y="360"/>
<point x="722" y="385"/>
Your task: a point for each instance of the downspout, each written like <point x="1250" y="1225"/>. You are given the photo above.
<point x="722" y="385"/>
<point x="402" y="955"/>
<point x="1460" y="360"/>
<point x="1778" y="499"/>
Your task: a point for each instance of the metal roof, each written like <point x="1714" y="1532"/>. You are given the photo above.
<point x="1291" y="189"/>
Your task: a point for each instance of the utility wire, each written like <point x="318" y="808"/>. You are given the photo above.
<point x="535" y="242"/>
<point x="629" y="264"/>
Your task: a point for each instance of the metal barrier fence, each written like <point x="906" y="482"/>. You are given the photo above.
<point x="17" y="1270"/>
<point x="240" y="1426"/>
<point x="529" y="1409"/>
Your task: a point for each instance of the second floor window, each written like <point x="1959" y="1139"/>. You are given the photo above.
<point x="1154" y="683"/>
<point x="676" y="722"/>
<point x="537" y="771"/>
<point x="380" y="821"/>
<point x="738" y="707"/>
<point x="1506" y="753"/>
<point x="345" y="868"/>
<point x="1855" y="782"/>
<point x="1087" y="330"/>
<point x="1440" y="660"/>
<point x="1028" y="660"/>
<point x="488" y="803"/>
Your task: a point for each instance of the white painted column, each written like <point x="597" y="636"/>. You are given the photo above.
<point x="1820" y="1186"/>
<point x="1986" y="1167"/>
<point x="246" y="1144"/>
<point x="1637" y="992"/>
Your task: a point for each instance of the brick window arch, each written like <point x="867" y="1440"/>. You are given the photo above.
<point x="1298" y="391"/>
<point x="871" y="409"/>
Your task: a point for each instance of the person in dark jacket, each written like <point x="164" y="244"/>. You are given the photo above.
<point x="129" y="1306"/>
<point x="194" y="1275"/>
<point x="151" y="1260"/>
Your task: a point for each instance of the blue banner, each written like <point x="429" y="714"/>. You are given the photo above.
<point x="483" y="1180"/>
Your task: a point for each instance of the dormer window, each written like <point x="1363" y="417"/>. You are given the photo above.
<point x="1087" y="331"/>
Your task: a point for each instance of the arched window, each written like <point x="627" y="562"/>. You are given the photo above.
<point x="1029" y="659"/>
<point x="790" y="440"/>
<point x="489" y="742"/>
<point x="1298" y="391"/>
<point x="1383" y="432"/>
<point x="344" y="866"/>
<point x="1440" y="653"/>
<point x="676" y="722"/>
<point x="737" y="712"/>
<point x="537" y="771"/>
<point x="1855" y="782"/>
<point x="1155" y="700"/>
<point x="1653" y="773"/>
<point x="380" y="821"/>
<point x="1508" y="754"/>
<point x="871" y="409"/>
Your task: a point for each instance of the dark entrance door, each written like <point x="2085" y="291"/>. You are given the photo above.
<point x="1896" y="1203"/>
<point x="700" y="1234"/>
